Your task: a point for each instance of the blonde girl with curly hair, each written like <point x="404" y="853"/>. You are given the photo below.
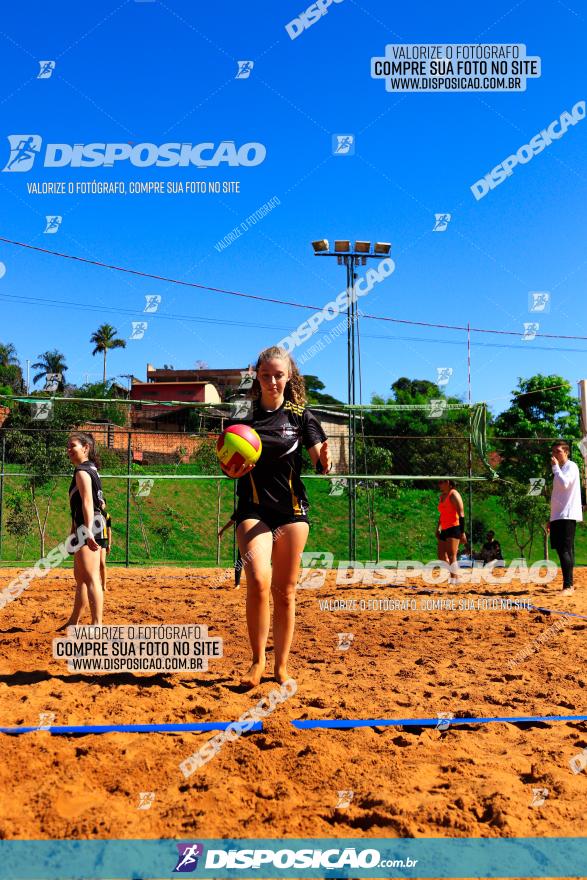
<point x="272" y="508"/>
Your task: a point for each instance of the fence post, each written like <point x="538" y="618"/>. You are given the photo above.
<point x="234" y="548"/>
<point x="128" y="471"/>
<point x="470" y="488"/>
<point x="2" y="490"/>
<point x="218" y="488"/>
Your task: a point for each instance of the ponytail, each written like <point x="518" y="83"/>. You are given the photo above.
<point x="87" y="440"/>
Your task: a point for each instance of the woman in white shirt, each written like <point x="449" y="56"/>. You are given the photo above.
<point x="565" y="510"/>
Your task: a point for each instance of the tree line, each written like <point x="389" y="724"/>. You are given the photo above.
<point x="399" y="441"/>
<point x="52" y="363"/>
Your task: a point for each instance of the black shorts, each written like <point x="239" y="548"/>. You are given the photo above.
<point x="453" y="532"/>
<point x="562" y="534"/>
<point x="101" y="542"/>
<point x="273" y="519"/>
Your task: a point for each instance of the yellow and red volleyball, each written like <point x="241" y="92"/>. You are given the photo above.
<point x="236" y="446"/>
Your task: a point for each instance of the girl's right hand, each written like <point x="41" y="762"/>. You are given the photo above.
<point x="224" y="528"/>
<point x="92" y="544"/>
<point x="238" y="472"/>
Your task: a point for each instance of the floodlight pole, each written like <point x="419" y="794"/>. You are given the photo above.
<point x="351" y="260"/>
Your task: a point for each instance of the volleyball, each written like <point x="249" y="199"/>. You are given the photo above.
<point x="236" y="446"/>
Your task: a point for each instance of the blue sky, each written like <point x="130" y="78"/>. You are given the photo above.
<point x="165" y="71"/>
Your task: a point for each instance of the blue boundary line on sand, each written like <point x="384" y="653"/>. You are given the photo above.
<point x="333" y="723"/>
<point x="530" y="607"/>
<point x="128" y="728"/>
<point x="552" y="611"/>
<point x="307" y="724"/>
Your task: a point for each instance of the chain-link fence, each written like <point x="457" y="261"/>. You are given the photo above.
<point x="168" y="500"/>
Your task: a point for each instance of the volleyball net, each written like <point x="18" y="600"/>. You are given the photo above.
<point x="168" y="498"/>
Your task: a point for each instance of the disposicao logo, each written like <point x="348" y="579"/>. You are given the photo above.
<point x="187" y="859"/>
<point x="24" y="148"/>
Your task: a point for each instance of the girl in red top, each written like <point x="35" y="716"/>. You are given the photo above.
<point x="450" y="530"/>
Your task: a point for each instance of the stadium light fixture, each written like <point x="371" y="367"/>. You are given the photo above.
<point x="351" y="259"/>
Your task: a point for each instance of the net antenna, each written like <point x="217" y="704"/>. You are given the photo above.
<point x="583" y="398"/>
<point x="583" y="444"/>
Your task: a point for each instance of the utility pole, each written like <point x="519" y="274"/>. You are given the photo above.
<point x="351" y="259"/>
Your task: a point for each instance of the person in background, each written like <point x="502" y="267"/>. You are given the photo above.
<point x="450" y="530"/>
<point x="86" y="501"/>
<point x="238" y="565"/>
<point x="491" y="549"/>
<point x="565" y="509"/>
<point x="105" y="551"/>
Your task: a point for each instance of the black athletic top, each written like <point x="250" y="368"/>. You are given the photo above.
<point x="107" y="519"/>
<point x="275" y="483"/>
<point x="75" y="501"/>
<point x="105" y="513"/>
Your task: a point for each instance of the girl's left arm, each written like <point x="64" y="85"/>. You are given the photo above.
<point x="321" y="453"/>
<point x="457" y="502"/>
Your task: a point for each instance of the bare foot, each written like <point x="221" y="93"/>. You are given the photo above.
<point x="253" y="676"/>
<point x="64" y="626"/>
<point x="281" y="675"/>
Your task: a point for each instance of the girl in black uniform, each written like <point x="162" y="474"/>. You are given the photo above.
<point x="272" y="509"/>
<point x="105" y="550"/>
<point x="86" y="501"/>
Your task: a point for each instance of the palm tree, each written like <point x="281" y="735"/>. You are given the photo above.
<point x="50" y="362"/>
<point x="10" y="369"/>
<point x="8" y="357"/>
<point x="103" y="339"/>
